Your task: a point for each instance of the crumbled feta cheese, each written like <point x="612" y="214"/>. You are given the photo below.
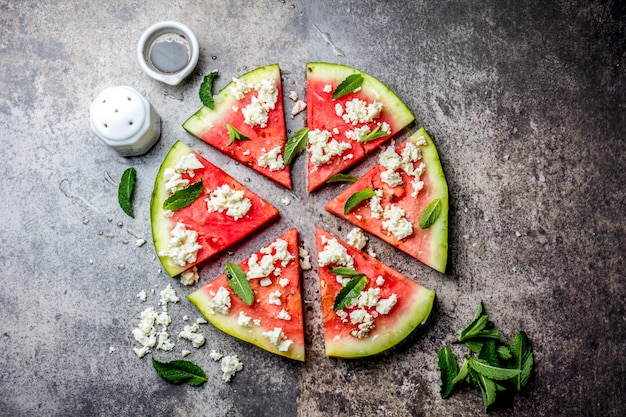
<point x="364" y="320"/>
<point x="188" y="163"/>
<point x="283" y="315"/>
<point x="276" y="251"/>
<point x="371" y="252"/>
<point x="358" y="133"/>
<point x="323" y="147"/>
<point x="111" y="349"/>
<point x="190" y="276"/>
<point x="334" y="253"/>
<point x="145" y="333"/>
<point x="356" y="238"/>
<point x="185" y="353"/>
<point x="244" y="320"/>
<point x="235" y="108"/>
<point x="164" y="342"/>
<point x="215" y="355"/>
<point x="358" y="111"/>
<point x="385" y="128"/>
<point x="298" y="108"/>
<point x="254" y="114"/>
<point x="420" y="141"/>
<point x="338" y="110"/>
<point x="342" y="315"/>
<point x="174" y="181"/>
<point x="230" y="366"/>
<point x="168" y="295"/>
<point x="226" y="198"/>
<point x="293" y="96"/>
<point x="417" y="186"/>
<point x="305" y="259"/>
<point x="286" y="200"/>
<point x="283" y="282"/>
<point x="328" y="88"/>
<point x="411" y="153"/>
<point x="246" y="152"/>
<point x="272" y="159"/>
<point x="375" y="206"/>
<point x="265" y="282"/>
<point x="277" y="338"/>
<point x="368" y="298"/>
<point x="221" y="301"/>
<point x="183" y="246"/>
<point x="391" y="178"/>
<point x="396" y="223"/>
<point x="140" y="242"/>
<point x="274" y="298"/>
<point x="380" y="280"/>
<point x="385" y="305"/>
<point x="257" y="322"/>
<point x="335" y="131"/>
<point x="240" y="88"/>
<point x="191" y="333"/>
<point x="390" y="159"/>
<point x="142" y="295"/>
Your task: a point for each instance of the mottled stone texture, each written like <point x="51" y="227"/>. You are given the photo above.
<point x="525" y="101"/>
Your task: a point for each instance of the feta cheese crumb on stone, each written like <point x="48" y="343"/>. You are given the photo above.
<point x="358" y="111"/>
<point x="391" y="178"/>
<point x="168" y="295"/>
<point x="371" y="252"/>
<point x="323" y="147"/>
<point x="278" y="339"/>
<point x="384" y="305"/>
<point x="230" y="366"/>
<point x="358" y="133"/>
<point x="283" y="282"/>
<point x="293" y="96"/>
<point x="305" y="259"/>
<point x="142" y="295"/>
<point x="274" y="298"/>
<point x="328" y="88"/>
<point x="220" y="302"/>
<point x="140" y="242"/>
<point x="334" y="253"/>
<point x="183" y="246"/>
<point x="364" y="322"/>
<point x="283" y="315"/>
<point x="298" y="108"/>
<point x="272" y="160"/>
<point x="111" y="349"/>
<point x="164" y="342"/>
<point x="145" y="333"/>
<point x="380" y="280"/>
<point x="227" y="199"/>
<point x="396" y="223"/>
<point x="190" y="276"/>
<point x="185" y="353"/>
<point x="244" y="320"/>
<point x="215" y="355"/>
<point x="356" y="238"/>
<point x="375" y="206"/>
<point x="286" y="201"/>
<point x="191" y="333"/>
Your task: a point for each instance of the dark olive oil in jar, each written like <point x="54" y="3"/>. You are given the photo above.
<point x="169" y="53"/>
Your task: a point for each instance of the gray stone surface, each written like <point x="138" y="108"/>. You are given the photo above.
<point x="525" y="101"/>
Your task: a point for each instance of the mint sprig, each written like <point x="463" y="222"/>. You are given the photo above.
<point x="356" y="199"/>
<point x="295" y="144"/>
<point x="180" y="371"/>
<point x="183" y="198"/>
<point x="206" y="94"/>
<point x="374" y="134"/>
<point x="339" y="177"/>
<point x="350" y="291"/>
<point x="490" y="366"/>
<point x="238" y="282"/>
<point x="125" y="191"/>
<point x="431" y="213"/>
<point x="235" y="134"/>
<point x="351" y="83"/>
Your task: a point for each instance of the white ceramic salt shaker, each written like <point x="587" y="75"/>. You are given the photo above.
<point x="123" y="119"/>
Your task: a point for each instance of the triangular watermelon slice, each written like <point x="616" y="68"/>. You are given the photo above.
<point x="224" y="213"/>
<point x="253" y="105"/>
<point x="336" y="125"/>
<point x="384" y="312"/>
<point x="274" y="320"/>
<point x="397" y="219"/>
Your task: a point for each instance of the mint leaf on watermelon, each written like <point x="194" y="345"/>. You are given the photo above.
<point x="356" y="199"/>
<point x="351" y="290"/>
<point x="238" y="281"/>
<point x="449" y="370"/>
<point x="374" y="134"/>
<point x="523" y="359"/>
<point x="431" y="213"/>
<point x="206" y="94"/>
<point x="125" y="191"/>
<point x="295" y="144"/>
<point x="183" y="198"/>
<point x="351" y="179"/>
<point x="180" y="371"/>
<point x="351" y="83"/>
<point x="344" y="272"/>
<point x="235" y="134"/>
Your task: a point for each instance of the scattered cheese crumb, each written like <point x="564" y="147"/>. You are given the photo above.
<point x="190" y="276"/>
<point x="298" y="108"/>
<point x="191" y="333"/>
<point x="356" y="238"/>
<point x="230" y="366"/>
<point x="185" y="353"/>
<point x="215" y="355"/>
<point x="293" y="95"/>
<point x="142" y="295"/>
<point x="328" y="88"/>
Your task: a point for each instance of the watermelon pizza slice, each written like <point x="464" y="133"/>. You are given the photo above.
<point x="273" y="318"/>
<point x="367" y="307"/>
<point x="349" y="114"/>
<point x="247" y="123"/>
<point x="197" y="210"/>
<point x="403" y="200"/>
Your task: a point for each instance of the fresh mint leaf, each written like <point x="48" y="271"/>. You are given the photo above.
<point x="351" y="290"/>
<point x="486" y="386"/>
<point x="180" y="371"/>
<point x="431" y="213"/>
<point x="238" y="281"/>
<point x="183" y="198"/>
<point x="523" y="359"/>
<point x="351" y="83"/>
<point x="374" y="134"/>
<point x="344" y="272"/>
<point x="474" y="345"/>
<point x="463" y="373"/>
<point x="206" y="89"/>
<point x="492" y="372"/>
<point x="449" y="371"/>
<point x="295" y="144"/>
<point x="356" y="199"/>
<point x="474" y="328"/>
<point x="342" y="178"/>
<point x="235" y="134"/>
<point x="125" y="191"/>
<point x="488" y="352"/>
<point x="504" y="352"/>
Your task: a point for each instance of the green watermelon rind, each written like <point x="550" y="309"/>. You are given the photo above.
<point x="390" y="100"/>
<point x="229" y="324"/>
<point x="386" y="338"/>
<point x="439" y="229"/>
<point x="161" y="223"/>
<point x="205" y="118"/>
